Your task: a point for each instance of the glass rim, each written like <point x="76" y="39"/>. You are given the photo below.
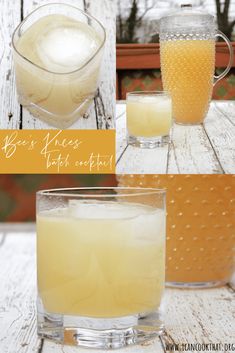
<point x="66" y="192"/>
<point x="17" y="29"/>
<point x="149" y="93"/>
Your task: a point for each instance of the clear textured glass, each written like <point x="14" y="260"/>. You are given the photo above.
<point x="187" y="51"/>
<point x="149" y="118"/>
<point x="57" y="55"/>
<point x="100" y="265"/>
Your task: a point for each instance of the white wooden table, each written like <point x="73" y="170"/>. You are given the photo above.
<point x="191" y="316"/>
<point x="101" y="114"/>
<point x="202" y="149"/>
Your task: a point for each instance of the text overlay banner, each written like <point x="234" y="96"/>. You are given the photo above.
<point x="57" y="151"/>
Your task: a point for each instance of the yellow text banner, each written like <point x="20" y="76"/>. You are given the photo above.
<point x="57" y="151"/>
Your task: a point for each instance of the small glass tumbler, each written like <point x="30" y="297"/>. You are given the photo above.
<point x="149" y="118"/>
<point x="100" y="265"/>
<point x="57" y="53"/>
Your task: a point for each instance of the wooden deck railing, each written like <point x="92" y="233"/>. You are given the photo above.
<point x="147" y="56"/>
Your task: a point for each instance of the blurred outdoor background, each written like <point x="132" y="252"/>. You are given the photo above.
<point x="137" y="37"/>
<point x="18" y="192"/>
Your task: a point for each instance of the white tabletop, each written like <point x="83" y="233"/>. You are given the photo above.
<point x="102" y="111"/>
<point x="203" y="149"/>
<point x="191" y="316"/>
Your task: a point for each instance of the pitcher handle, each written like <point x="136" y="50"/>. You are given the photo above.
<point x="230" y="64"/>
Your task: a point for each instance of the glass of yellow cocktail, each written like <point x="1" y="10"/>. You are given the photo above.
<point x="100" y="265"/>
<point x="149" y="118"/>
<point x="57" y="54"/>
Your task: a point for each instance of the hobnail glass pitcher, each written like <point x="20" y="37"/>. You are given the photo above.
<point x="200" y="226"/>
<point x="187" y="49"/>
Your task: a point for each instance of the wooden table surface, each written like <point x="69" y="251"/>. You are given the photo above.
<point x="101" y="113"/>
<point x="191" y="316"/>
<point x="201" y="149"/>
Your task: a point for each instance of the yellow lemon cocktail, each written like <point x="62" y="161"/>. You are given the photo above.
<point x="149" y="118"/>
<point x="188" y="74"/>
<point x="57" y="56"/>
<point x="100" y="259"/>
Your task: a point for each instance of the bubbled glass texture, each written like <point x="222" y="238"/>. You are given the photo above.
<point x="200" y="225"/>
<point x="187" y="66"/>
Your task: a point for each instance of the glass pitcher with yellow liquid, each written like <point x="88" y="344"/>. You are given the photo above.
<point x="187" y="50"/>
<point x="200" y="242"/>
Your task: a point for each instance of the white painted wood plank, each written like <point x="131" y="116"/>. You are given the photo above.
<point x="120" y="109"/>
<point x="220" y="128"/>
<point x="191" y="152"/>
<point x="121" y="141"/>
<point x="227" y="108"/>
<point x="143" y="161"/>
<point x="199" y="316"/>
<point x="2" y="44"/>
<point x="9" y="107"/>
<point x="150" y="347"/>
<point x="2" y="236"/>
<point x="18" y="295"/>
<point x="105" y="11"/>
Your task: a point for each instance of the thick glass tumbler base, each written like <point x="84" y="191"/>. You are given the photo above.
<point x="194" y="285"/>
<point x="149" y="142"/>
<point x="99" y="333"/>
<point x="59" y="122"/>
